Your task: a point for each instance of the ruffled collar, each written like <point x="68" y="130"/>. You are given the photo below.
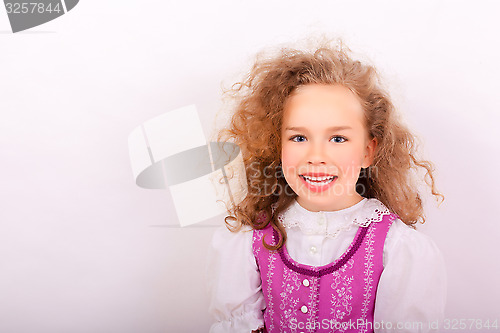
<point x="331" y="223"/>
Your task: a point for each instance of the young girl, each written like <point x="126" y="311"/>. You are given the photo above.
<point x="324" y="241"/>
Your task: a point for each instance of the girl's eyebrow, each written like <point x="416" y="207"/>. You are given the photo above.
<point x="329" y="129"/>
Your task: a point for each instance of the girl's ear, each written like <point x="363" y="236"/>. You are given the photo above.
<point x="370" y="149"/>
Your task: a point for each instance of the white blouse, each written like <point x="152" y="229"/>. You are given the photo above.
<point x="411" y="292"/>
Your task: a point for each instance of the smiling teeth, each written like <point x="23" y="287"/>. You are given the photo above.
<point x="318" y="181"/>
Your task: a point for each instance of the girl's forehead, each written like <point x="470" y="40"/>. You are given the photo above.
<point x="317" y="103"/>
<point x="328" y="93"/>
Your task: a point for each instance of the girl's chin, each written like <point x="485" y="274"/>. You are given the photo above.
<point x="321" y="201"/>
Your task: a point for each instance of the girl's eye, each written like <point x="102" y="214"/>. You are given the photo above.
<point x="298" y="138"/>
<point x="338" y="139"/>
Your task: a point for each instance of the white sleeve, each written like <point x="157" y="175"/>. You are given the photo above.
<point x="411" y="294"/>
<point x="234" y="285"/>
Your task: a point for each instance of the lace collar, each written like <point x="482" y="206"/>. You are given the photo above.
<point x="331" y="223"/>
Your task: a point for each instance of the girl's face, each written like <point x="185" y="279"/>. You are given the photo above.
<point x="324" y="146"/>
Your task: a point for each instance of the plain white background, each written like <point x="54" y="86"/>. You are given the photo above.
<point x="82" y="249"/>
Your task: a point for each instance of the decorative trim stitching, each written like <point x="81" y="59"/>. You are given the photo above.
<point x="327" y="270"/>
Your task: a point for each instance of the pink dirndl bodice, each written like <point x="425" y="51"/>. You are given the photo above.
<point x="338" y="297"/>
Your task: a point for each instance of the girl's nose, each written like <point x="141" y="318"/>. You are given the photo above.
<point x="316" y="154"/>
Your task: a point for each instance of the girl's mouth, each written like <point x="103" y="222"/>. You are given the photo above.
<point x="318" y="184"/>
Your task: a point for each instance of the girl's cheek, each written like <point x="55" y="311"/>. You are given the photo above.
<point x="350" y="165"/>
<point x="287" y="163"/>
<point x="290" y="155"/>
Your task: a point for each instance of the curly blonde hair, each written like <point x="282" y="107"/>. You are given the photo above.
<point x="255" y="127"/>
